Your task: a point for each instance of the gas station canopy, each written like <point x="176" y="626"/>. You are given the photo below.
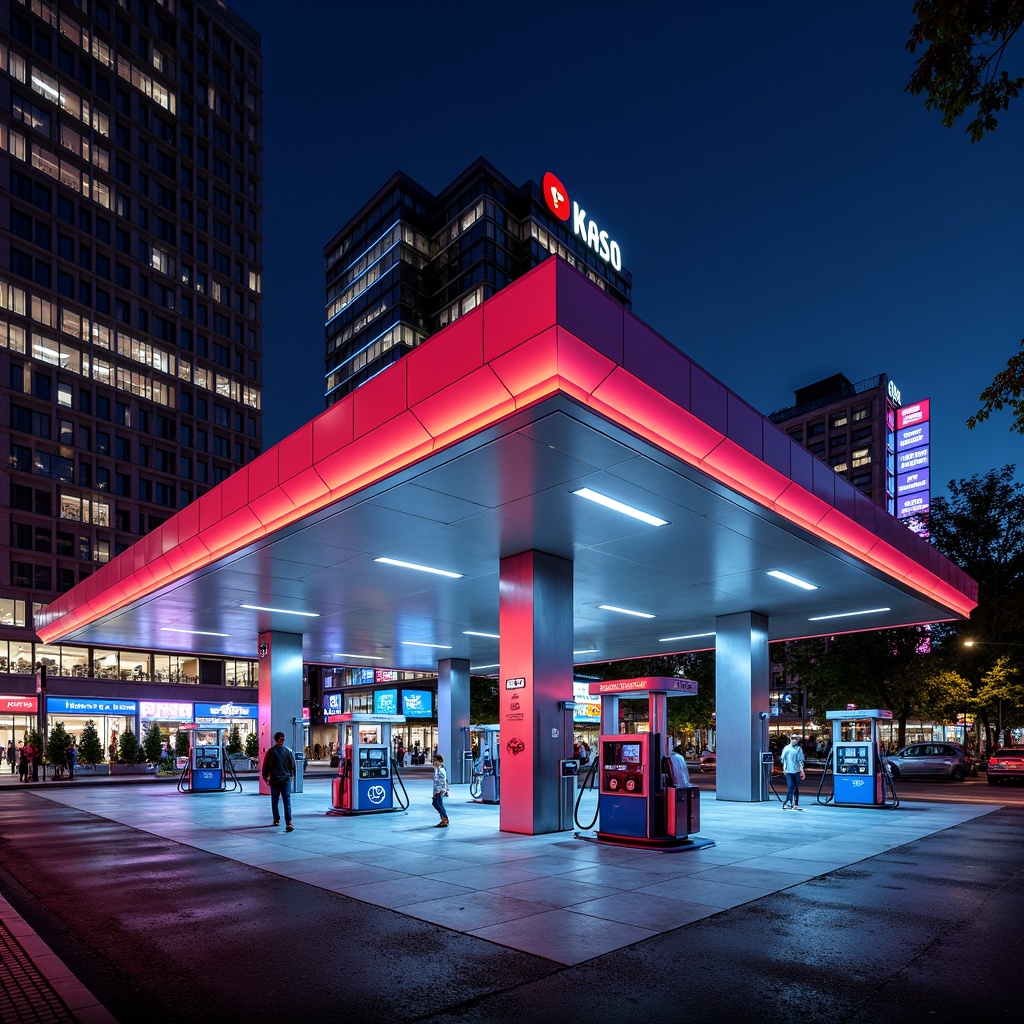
<point x="475" y="447"/>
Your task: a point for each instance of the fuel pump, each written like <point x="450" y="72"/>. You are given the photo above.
<point x="859" y="775"/>
<point x="367" y="773"/>
<point x="485" y="780"/>
<point x="636" y="806"/>
<point x="207" y="769"/>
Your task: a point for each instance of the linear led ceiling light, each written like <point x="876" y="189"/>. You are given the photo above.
<point x="414" y="643"/>
<point x="689" y="636"/>
<point x="589" y="650"/>
<point x="477" y="668"/>
<point x="421" y="568"/>
<point x="618" y="506"/>
<point x="473" y="632"/>
<point x="780" y="575"/>
<point x="282" y="611"/>
<point x="192" y="632"/>
<point x="846" y="615"/>
<point x="626" y="611"/>
<point x="364" y="657"/>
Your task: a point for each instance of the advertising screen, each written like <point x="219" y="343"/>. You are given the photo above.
<point x="385" y="702"/>
<point x="911" y="483"/>
<point x="334" y="703"/>
<point x="912" y="437"/>
<point x="417" y="704"/>
<point x="913" y="458"/>
<point x="912" y="505"/>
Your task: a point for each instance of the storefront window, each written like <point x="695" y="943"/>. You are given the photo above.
<point x="104" y="664"/>
<point x="241" y="673"/>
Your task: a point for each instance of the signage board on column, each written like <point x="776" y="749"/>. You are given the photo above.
<point x="913" y="462"/>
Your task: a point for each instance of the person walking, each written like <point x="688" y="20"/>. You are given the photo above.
<point x="22" y="763"/>
<point x="278" y="769"/>
<point x="792" y="759"/>
<point x="72" y="758"/>
<point x="440" y="790"/>
<point x="28" y="759"/>
<point x="11" y="755"/>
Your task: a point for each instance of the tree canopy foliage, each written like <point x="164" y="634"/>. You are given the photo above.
<point x="1006" y="390"/>
<point x="964" y="42"/>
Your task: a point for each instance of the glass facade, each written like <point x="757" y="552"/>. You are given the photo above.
<point x="410" y="263"/>
<point x="130" y="306"/>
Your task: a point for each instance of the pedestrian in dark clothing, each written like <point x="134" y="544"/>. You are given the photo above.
<point x="278" y="769"/>
<point x="72" y="759"/>
<point x="12" y="756"/>
<point x="22" y="763"/>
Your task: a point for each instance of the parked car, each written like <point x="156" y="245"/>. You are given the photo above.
<point x="945" y="760"/>
<point x="1006" y="764"/>
<point x="707" y="763"/>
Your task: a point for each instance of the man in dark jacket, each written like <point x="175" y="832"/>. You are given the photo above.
<point x="278" y="769"/>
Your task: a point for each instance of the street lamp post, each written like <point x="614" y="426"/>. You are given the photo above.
<point x="999" y="713"/>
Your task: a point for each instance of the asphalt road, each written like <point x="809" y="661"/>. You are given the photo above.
<point x="159" y="930"/>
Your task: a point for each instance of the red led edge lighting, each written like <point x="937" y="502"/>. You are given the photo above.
<point x="329" y="458"/>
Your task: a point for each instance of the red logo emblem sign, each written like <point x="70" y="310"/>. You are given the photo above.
<point x="556" y="195"/>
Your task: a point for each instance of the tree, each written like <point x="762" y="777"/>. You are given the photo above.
<point x="234" y="740"/>
<point x="252" y="745"/>
<point x="483" y="700"/>
<point x="90" y="750"/>
<point x="1006" y="389"/>
<point x="57" y="747"/>
<point x="965" y="42"/>
<point x="886" y="668"/>
<point x="181" y="743"/>
<point x="127" y="748"/>
<point x="980" y="527"/>
<point x="152" y="743"/>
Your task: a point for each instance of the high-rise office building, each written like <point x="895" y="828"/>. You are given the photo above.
<point x="410" y="262"/>
<point x="130" y="306"/>
<point x="852" y="427"/>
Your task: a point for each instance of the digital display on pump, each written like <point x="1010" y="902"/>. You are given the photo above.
<point x="631" y="753"/>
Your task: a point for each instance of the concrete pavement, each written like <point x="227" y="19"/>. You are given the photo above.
<point x="888" y="891"/>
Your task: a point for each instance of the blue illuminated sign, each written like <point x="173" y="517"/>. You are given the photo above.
<point x="911" y="483"/>
<point x="334" y="703"/>
<point x="89" y="706"/>
<point x="914" y="458"/>
<point x="385" y="702"/>
<point x="912" y="437"/>
<point x="417" y="704"/>
<point x="912" y="505"/>
<point x="228" y="709"/>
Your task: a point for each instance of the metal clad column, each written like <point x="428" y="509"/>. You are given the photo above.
<point x="535" y="674"/>
<point x="280" y="689"/>
<point x="742" y="684"/>
<point x="452" y="714"/>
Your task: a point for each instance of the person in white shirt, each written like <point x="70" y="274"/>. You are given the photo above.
<point x="678" y="771"/>
<point x="792" y="759"/>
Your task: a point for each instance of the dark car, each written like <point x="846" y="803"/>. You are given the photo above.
<point x="1006" y="764"/>
<point x="920" y="760"/>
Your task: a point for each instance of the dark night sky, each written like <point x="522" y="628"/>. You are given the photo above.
<point x="786" y="209"/>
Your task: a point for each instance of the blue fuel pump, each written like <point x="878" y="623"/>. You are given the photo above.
<point x="859" y="774"/>
<point x="208" y="769"/>
<point x="368" y="779"/>
<point x="636" y="805"/>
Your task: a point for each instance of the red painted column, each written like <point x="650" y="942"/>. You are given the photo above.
<point x="536" y="674"/>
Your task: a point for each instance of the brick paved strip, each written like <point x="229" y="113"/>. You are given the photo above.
<point x="35" y="985"/>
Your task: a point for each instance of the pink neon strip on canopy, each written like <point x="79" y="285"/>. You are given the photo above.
<point x="381" y="429"/>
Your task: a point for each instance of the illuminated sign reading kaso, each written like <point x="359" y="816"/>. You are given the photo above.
<point x="556" y="195"/>
<point x="894" y="393"/>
